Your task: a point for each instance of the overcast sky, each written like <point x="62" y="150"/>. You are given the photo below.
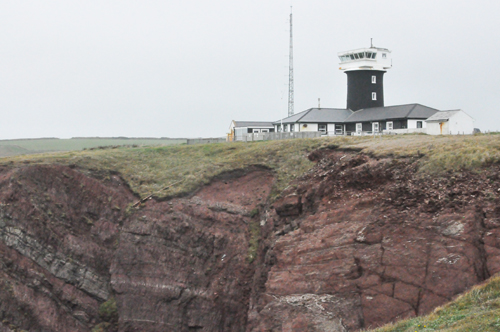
<point x="187" y="68"/>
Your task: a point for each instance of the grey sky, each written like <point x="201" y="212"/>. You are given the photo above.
<point x="187" y="68"/>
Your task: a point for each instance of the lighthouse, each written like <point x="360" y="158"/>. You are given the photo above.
<point x="365" y="69"/>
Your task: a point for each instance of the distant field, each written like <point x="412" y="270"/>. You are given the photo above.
<point x="10" y="148"/>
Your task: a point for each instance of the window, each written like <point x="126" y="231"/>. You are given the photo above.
<point x="265" y="130"/>
<point x="338" y="129"/>
<point x="285" y="127"/>
<point x="322" y="127"/>
<point x="374" y="96"/>
<point x="292" y="127"/>
<point x="374" y="79"/>
<point x="359" y="127"/>
<point x="390" y="125"/>
<point x="356" y="56"/>
<point x="368" y="55"/>
<point x="419" y="124"/>
<point x="351" y="56"/>
<point x="384" y="55"/>
<point x="255" y="131"/>
<point x="361" y="55"/>
<point x="374" y="55"/>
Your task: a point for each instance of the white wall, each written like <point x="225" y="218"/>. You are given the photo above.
<point x="461" y="123"/>
<point x="433" y="128"/>
<point x="413" y="123"/>
<point x="309" y="127"/>
<point x="406" y="131"/>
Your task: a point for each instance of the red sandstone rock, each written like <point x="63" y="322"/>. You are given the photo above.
<point x="378" y="232"/>
<point x="291" y="205"/>
<point x="355" y="243"/>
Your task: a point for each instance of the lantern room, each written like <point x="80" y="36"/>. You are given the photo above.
<point x="372" y="58"/>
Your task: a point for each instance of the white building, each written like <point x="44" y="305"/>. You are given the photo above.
<point x="455" y="122"/>
<point x="324" y="120"/>
<point x="240" y="129"/>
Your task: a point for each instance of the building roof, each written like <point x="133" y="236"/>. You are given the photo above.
<point x="442" y="116"/>
<point x="409" y="111"/>
<point x="257" y="124"/>
<point x="316" y="115"/>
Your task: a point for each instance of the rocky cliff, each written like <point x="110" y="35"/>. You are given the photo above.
<point x="354" y="243"/>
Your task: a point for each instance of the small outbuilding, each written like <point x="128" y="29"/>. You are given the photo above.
<point x="454" y="122"/>
<point x="238" y="130"/>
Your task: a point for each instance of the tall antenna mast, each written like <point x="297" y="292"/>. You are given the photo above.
<point x="290" y="69"/>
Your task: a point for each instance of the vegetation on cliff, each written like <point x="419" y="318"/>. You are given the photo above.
<point x="150" y="169"/>
<point x="477" y="310"/>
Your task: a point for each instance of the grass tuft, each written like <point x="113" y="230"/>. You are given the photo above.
<point x="253" y="243"/>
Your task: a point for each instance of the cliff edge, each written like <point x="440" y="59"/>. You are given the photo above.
<point x="357" y="241"/>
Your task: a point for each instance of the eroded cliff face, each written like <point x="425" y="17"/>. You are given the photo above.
<point x="356" y="242"/>
<point x="360" y="242"/>
<point x="58" y="231"/>
<point x="69" y="242"/>
<point x="183" y="265"/>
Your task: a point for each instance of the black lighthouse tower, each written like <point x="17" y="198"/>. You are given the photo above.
<point x="365" y="69"/>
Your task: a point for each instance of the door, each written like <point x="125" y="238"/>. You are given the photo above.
<point x="359" y="128"/>
<point x="375" y="127"/>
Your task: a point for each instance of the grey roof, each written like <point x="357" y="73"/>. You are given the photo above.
<point x="257" y="124"/>
<point x="409" y="111"/>
<point x="315" y="115"/>
<point x="442" y="115"/>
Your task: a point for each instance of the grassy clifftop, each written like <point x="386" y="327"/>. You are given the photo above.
<point x="149" y="169"/>
<point x="477" y="310"/>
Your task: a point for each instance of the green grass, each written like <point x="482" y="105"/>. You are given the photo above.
<point x="108" y="313"/>
<point x="12" y="150"/>
<point x="30" y="146"/>
<point x="476" y="311"/>
<point x="440" y="153"/>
